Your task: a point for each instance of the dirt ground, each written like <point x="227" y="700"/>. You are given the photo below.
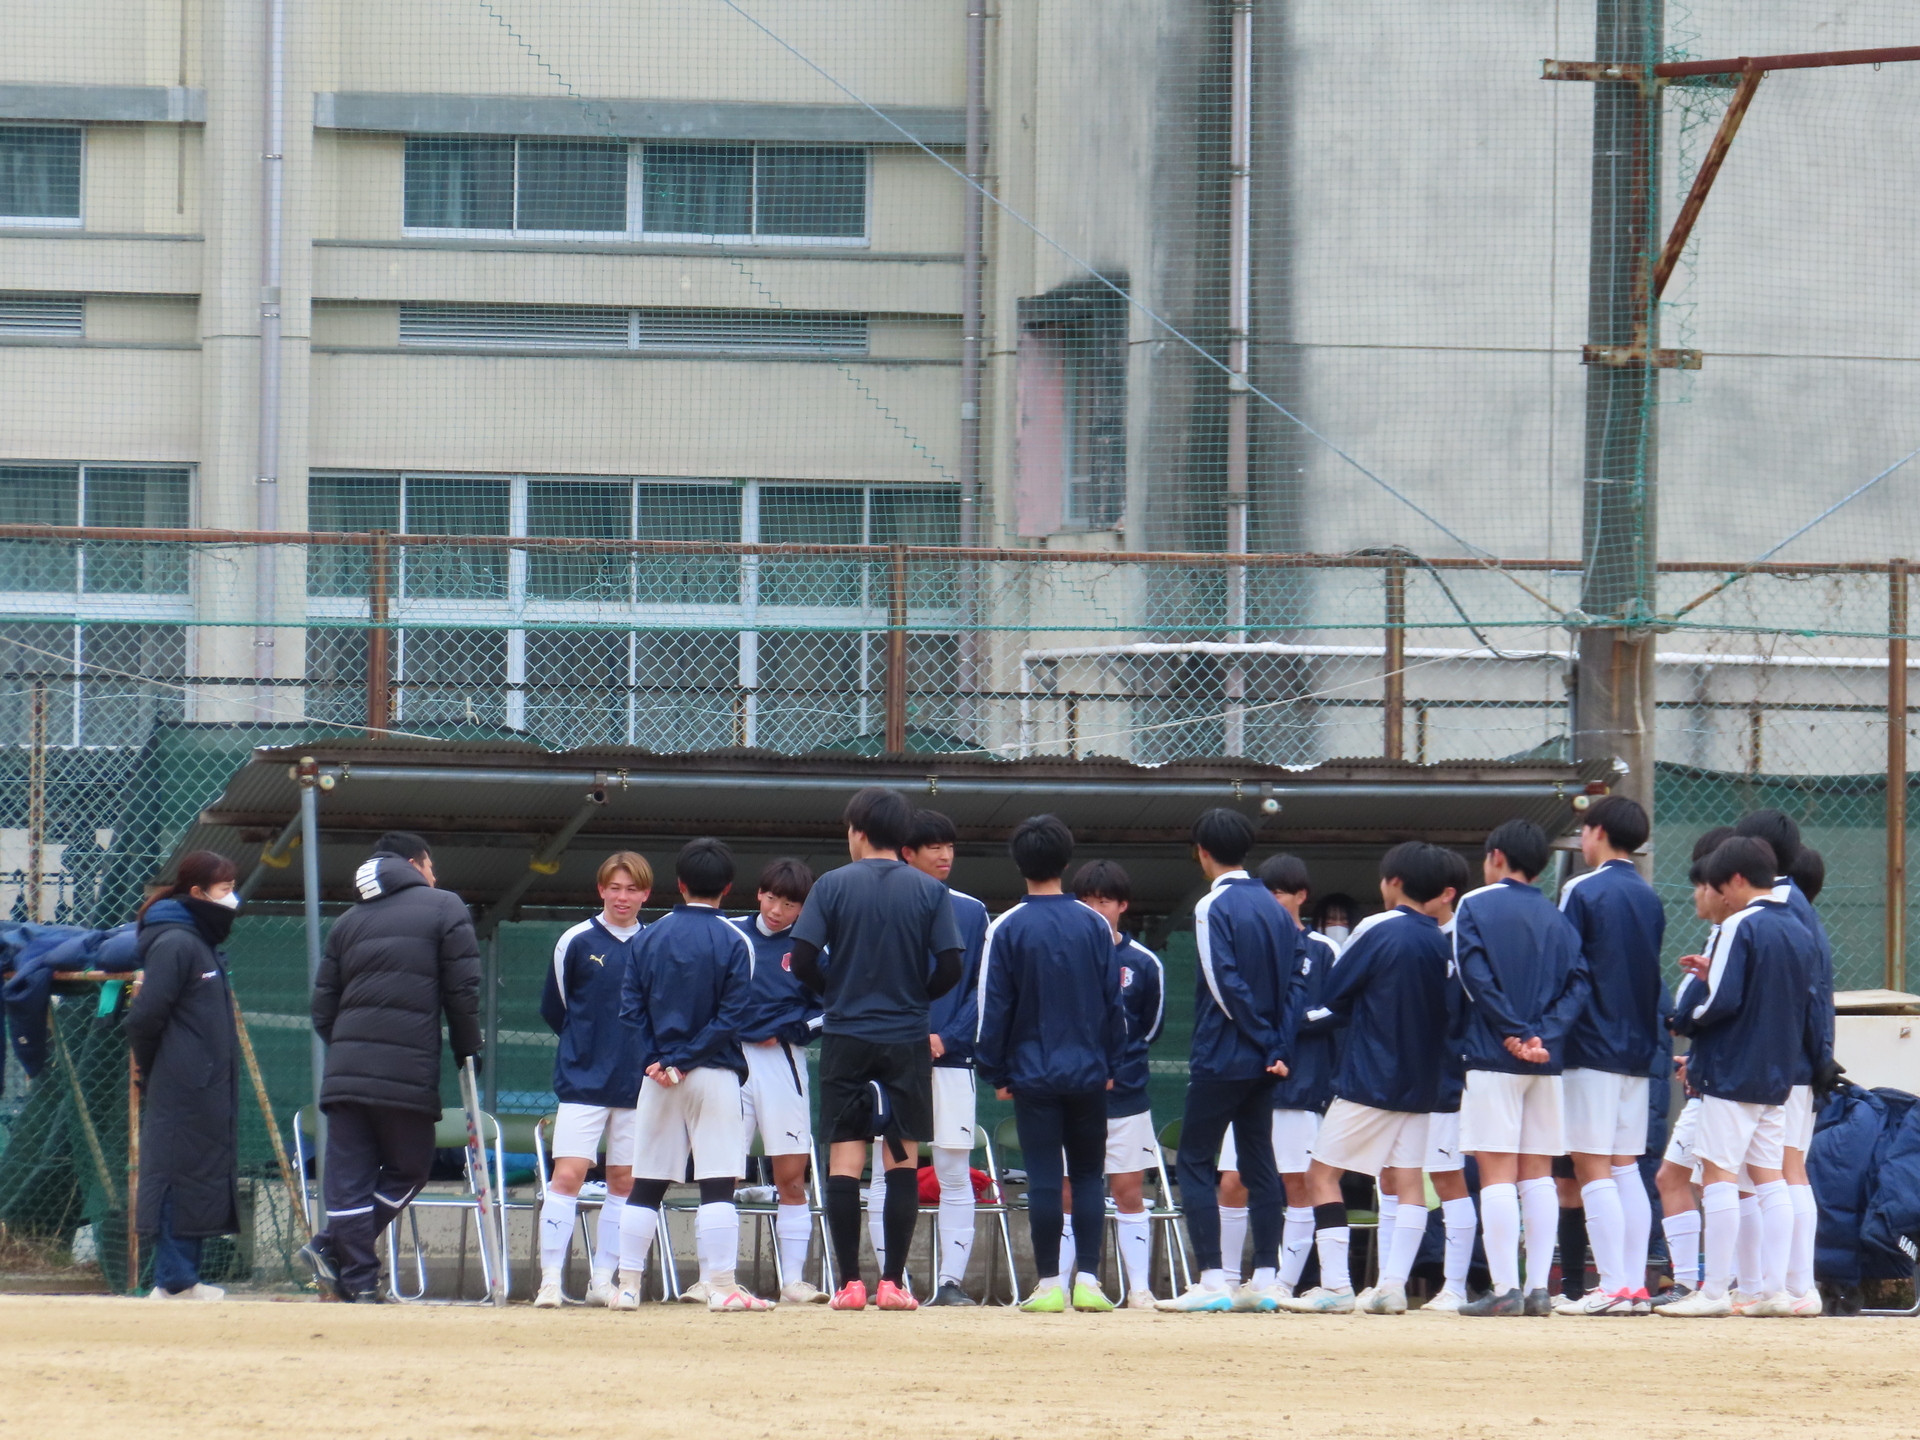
<point x="79" y="1367"/>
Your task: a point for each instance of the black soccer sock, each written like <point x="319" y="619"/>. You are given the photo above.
<point x="843" y="1224"/>
<point x="902" y="1210"/>
<point x="1573" y="1252"/>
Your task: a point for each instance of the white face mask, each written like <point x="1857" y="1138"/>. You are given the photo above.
<point x="231" y="900"/>
<point x="1337" y="933"/>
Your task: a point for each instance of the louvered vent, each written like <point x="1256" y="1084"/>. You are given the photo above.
<point x="569" y="327"/>
<point x="42" y="315"/>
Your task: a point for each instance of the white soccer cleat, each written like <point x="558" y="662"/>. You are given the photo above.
<point x="626" y="1295"/>
<point x="1256" y="1299"/>
<point x="1384" y="1300"/>
<point x="1808" y="1306"/>
<point x="695" y="1294"/>
<point x="1698" y="1306"/>
<point x="1567" y="1305"/>
<point x="1740" y="1301"/>
<point x="735" y="1299"/>
<point x="799" y="1292"/>
<point x="1779" y="1305"/>
<point x="1140" y="1300"/>
<point x="547" y="1297"/>
<point x="1599" y="1302"/>
<point x="1197" y="1297"/>
<point x="1447" y="1302"/>
<point x="601" y="1291"/>
<point x="1321" y="1301"/>
<point x="197" y="1291"/>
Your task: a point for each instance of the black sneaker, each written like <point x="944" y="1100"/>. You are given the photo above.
<point x="1674" y="1292"/>
<point x="950" y="1293"/>
<point x="317" y="1253"/>
<point x="1506" y="1302"/>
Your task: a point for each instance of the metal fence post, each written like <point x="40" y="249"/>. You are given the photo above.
<point x="1896" y="966"/>
<point x="379" y="608"/>
<point x="1394" y="698"/>
<point x="309" y="778"/>
<point x="896" y="697"/>
<point x="36" y="798"/>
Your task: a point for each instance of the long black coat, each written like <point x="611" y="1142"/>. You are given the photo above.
<point x="394" y="963"/>
<point x="182" y="1033"/>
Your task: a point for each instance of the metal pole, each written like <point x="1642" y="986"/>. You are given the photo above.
<point x="972" y="346"/>
<point x="1613" y="694"/>
<point x="1896" y="969"/>
<point x="310" y="781"/>
<point x="492" y="1022"/>
<point x="267" y="490"/>
<point x="1239" y="312"/>
<point x="379" y="607"/>
<point x="36" y="798"/>
<point x="1394" y="667"/>
<point x="896" y="698"/>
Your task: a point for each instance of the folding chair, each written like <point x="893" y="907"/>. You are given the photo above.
<point x="764" y="1213"/>
<point x="1166" y="1218"/>
<point x="994" y="1209"/>
<point x="543" y="1165"/>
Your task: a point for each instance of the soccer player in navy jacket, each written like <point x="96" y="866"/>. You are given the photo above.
<point x="1612" y="1049"/>
<point x="1749" y="1010"/>
<point x="1393" y="990"/>
<point x="1524" y="982"/>
<point x="688" y="991"/>
<point x="781" y="1022"/>
<point x="1052" y="1037"/>
<point x="1133" y="1145"/>
<point x="1246" y="1001"/>
<point x="596" y="1076"/>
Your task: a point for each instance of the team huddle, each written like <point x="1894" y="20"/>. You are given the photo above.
<point x="1459" y="1020"/>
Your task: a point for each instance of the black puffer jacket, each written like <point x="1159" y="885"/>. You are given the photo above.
<point x="393" y="964"/>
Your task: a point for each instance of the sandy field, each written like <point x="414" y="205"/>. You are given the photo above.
<point x="83" y="1367"/>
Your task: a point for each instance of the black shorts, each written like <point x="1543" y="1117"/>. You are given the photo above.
<point x="847" y="1063"/>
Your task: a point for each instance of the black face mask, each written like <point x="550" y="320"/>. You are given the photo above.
<point x="214" y="922"/>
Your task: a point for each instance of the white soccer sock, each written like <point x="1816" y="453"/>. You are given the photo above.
<point x="1604" y="1225"/>
<point x="556" y="1229"/>
<point x="637" y="1225"/>
<point x="1296" y="1239"/>
<point x="1806" y="1219"/>
<point x="1136" y="1251"/>
<point x="716" y="1240"/>
<point x="1461" y="1223"/>
<point x="1776" y="1226"/>
<point x="876" y="1213"/>
<point x="1751" y="1264"/>
<point x="1500" y="1224"/>
<point x="1636" y="1213"/>
<point x="954" y="1173"/>
<point x="793" y="1228"/>
<point x="1233" y="1240"/>
<point x="1720" y="1233"/>
<point x="1683" y="1247"/>
<point x="1068" y="1255"/>
<point x="1409" y="1229"/>
<point x="1213" y="1279"/>
<point x="1389" y="1210"/>
<point x="1332" y="1244"/>
<point x="1540" y="1213"/>
<point x="607" y="1250"/>
<point x="1264" y="1277"/>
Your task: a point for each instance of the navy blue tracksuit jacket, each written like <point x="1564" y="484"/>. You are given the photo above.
<point x="955" y="1016"/>
<point x="1622" y="925"/>
<point x="598" y="1062"/>
<point x="1247" y="998"/>
<point x="1393" y="989"/>
<point x="1308" y="1083"/>
<point x="689" y="987"/>
<point x="1752" y="1018"/>
<point x="1051" y="1021"/>
<point x="1522" y="975"/>
<point x="781" y="1008"/>
<point x="1802" y="910"/>
<point x="1143" y="996"/>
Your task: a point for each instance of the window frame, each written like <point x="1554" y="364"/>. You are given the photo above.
<point x="53" y="222"/>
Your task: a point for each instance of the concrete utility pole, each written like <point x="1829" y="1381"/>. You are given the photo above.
<point x="1613" y="697"/>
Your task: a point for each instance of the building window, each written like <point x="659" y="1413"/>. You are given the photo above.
<point x="499" y="184"/>
<point x="755" y="192"/>
<point x="40" y="174"/>
<point x="94" y="495"/>
<point x="600" y="327"/>
<point x="1071" y="371"/>
<point x="50" y="316"/>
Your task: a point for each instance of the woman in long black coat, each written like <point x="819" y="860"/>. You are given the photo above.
<point x="184" y="1048"/>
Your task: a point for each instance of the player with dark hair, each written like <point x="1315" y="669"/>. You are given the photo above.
<point x="781" y="1022"/>
<point x="881" y="918"/>
<point x="1524" y="982"/>
<point x="1611" y="1050"/>
<point x="1052" y="1037"/>
<point x="1246" y="1000"/>
<point x="1391" y="992"/>
<point x="1132" y="1143"/>
<point x="1808" y="873"/>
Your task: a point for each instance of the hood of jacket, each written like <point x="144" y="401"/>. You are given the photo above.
<point x="385" y="874"/>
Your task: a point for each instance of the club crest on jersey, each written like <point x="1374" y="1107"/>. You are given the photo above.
<point x="1126" y="976"/>
<point x="786" y="962"/>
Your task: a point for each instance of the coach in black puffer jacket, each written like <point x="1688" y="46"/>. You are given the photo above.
<point x="394" y="964"/>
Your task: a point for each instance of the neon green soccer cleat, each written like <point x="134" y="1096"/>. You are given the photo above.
<point x="1050" y="1301"/>
<point x="1090" y="1297"/>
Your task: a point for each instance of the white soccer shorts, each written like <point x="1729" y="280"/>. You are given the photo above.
<point x="774" y="1100"/>
<point x="1443" y="1143"/>
<point x="1293" y="1132"/>
<point x="1606" y="1114"/>
<point x="1799" y="1132"/>
<point x="1366" y="1141"/>
<point x="1733" y="1133"/>
<point x="1685" y="1128"/>
<point x="953" y="1124"/>
<point x="699" y="1116"/>
<point x="1503" y="1114"/>
<point x="1132" y="1144"/>
<point x="583" y="1132"/>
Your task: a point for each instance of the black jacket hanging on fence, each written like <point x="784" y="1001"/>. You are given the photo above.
<point x="182" y="1033"/>
<point x="393" y="964"/>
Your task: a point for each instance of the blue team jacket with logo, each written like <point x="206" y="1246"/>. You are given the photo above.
<point x="1143" y="995"/>
<point x="955" y="1016"/>
<point x="1752" y="1019"/>
<point x="1622" y="925"/>
<point x="1248" y="995"/>
<point x="598" y="1062"/>
<point x="1393" y="989"/>
<point x="781" y="1008"/>
<point x="1309" y="1081"/>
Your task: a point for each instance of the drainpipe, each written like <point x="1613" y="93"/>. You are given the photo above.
<point x="267" y="486"/>
<point x="1239" y="302"/>
<point x="972" y="323"/>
